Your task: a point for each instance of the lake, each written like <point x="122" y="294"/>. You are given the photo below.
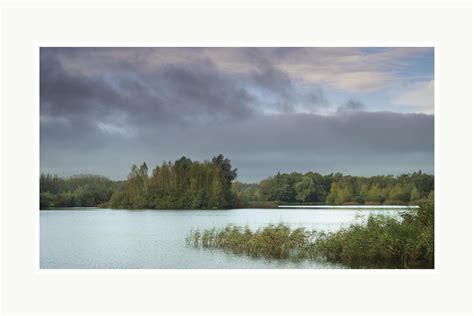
<point x="92" y="238"/>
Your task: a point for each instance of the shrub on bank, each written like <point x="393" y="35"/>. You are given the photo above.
<point x="394" y="202"/>
<point x="352" y="203"/>
<point x="372" y="203"/>
<point x="261" y="204"/>
<point x="417" y="202"/>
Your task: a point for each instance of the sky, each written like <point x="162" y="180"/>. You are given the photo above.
<point x="355" y="110"/>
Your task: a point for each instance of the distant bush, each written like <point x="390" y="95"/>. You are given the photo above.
<point x="418" y="202"/>
<point x="104" y="205"/>
<point x="46" y="200"/>
<point x="372" y="203"/>
<point x="262" y="204"/>
<point x="394" y="202"/>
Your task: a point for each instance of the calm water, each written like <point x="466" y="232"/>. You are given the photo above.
<point x="153" y="239"/>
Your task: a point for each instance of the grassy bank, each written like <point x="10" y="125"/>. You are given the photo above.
<point x="379" y="242"/>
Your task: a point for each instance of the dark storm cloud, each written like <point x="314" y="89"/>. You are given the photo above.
<point x="64" y="94"/>
<point x="105" y="109"/>
<point x="169" y="93"/>
<point x="131" y="99"/>
<point x="197" y="90"/>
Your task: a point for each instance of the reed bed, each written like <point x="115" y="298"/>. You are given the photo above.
<point x="379" y="242"/>
<point x="383" y="242"/>
<point x="273" y="241"/>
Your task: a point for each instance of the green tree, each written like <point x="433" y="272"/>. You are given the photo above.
<point x="332" y="197"/>
<point x="227" y="175"/>
<point x="414" y="194"/>
<point x="143" y="174"/>
<point x="305" y="189"/>
<point x="364" y="191"/>
<point x="344" y="195"/>
<point x="374" y="195"/>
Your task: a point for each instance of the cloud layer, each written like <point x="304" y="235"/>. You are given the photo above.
<point x="268" y="109"/>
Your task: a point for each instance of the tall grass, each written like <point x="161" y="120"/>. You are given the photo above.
<point x="379" y="242"/>
<point x="273" y="241"/>
<point x="384" y="242"/>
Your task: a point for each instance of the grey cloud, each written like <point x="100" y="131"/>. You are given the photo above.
<point x="170" y="93"/>
<point x="187" y="92"/>
<point x="63" y="94"/>
<point x="337" y="67"/>
<point x="351" y="105"/>
<point x="347" y="133"/>
<point x="199" y="89"/>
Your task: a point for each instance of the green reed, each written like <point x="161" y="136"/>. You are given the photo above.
<point x="384" y="242"/>
<point x="379" y="242"/>
<point x="273" y="241"/>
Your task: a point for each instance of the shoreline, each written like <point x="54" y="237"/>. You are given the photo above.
<point x="296" y="207"/>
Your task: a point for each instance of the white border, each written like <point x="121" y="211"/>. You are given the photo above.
<point x="436" y="270"/>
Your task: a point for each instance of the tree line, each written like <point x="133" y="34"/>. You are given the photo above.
<point x="338" y="189"/>
<point x="80" y="190"/>
<point x="187" y="184"/>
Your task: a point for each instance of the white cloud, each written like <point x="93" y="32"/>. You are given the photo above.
<point x="114" y="129"/>
<point x="420" y="95"/>
<point x="362" y="81"/>
<point x="347" y="68"/>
